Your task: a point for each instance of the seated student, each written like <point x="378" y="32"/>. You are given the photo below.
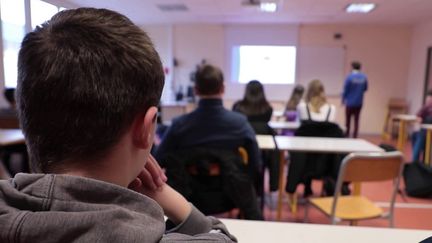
<point x="9" y="119"/>
<point x="255" y="107"/>
<point x="9" y="112"/>
<point x="258" y="111"/>
<point x="210" y="125"/>
<point x="419" y="138"/>
<point x="89" y="81"/>
<point x="316" y="107"/>
<point x="291" y="113"/>
<point x="293" y="102"/>
<point x="317" y="117"/>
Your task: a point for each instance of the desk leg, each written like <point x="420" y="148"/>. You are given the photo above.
<point x="427" y="147"/>
<point x="356" y="188"/>
<point x="282" y="163"/>
<point x="401" y="135"/>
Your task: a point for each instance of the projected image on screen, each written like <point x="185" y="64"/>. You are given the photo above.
<point x="268" y="64"/>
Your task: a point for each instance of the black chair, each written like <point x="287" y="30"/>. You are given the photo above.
<point x="214" y="180"/>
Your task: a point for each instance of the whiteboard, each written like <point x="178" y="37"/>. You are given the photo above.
<point x="324" y="63"/>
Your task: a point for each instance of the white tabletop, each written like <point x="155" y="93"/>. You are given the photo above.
<point x="426" y="126"/>
<point x="284" y="125"/>
<point x="279" y="113"/>
<point x="274" y="232"/>
<point x="321" y="144"/>
<point x="11" y="137"/>
<point x="405" y="117"/>
<point x="265" y="141"/>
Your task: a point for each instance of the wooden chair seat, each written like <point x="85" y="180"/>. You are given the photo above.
<point x="361" y="167"/>
<point x="349" y="207"/>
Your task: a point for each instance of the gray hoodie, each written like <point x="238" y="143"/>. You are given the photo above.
<point x="60" y="208"/>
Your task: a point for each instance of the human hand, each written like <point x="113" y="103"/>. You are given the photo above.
<point x="150" y="179"/>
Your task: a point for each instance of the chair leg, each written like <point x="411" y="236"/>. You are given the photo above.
<point x="391" y="221"/>
<point x="353" y="222"/>
<point x="306" y="213"/>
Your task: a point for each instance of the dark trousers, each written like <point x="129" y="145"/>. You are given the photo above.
<point x="352" y="112"/>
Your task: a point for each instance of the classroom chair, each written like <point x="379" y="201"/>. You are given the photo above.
<point x="361" y="167"/>
<point x="213" y="180"/>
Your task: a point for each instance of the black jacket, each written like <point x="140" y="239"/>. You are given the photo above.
<point x="304" y="166"/>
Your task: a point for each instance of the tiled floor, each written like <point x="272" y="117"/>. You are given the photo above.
<point x="410" y="212"/>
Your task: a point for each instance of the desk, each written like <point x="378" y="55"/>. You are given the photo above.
<point x="316" y="144"/>
<point x="428" y="128"/>
<point x="261" y="231"/>
<point x="11" y="137"/>
<point x="404" y="120"/>
<point x="266" y="142"/>
<point x="278" y="114"/>
<point x="278" y="125"/>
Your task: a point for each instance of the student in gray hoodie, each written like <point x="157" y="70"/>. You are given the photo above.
<point x="89" y="82"/>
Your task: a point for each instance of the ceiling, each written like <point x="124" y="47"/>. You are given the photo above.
<point x="292" y="11"/>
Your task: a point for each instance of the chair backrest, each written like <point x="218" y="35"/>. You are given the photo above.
<point x="371" y="166"/>
<point x="364" y="167"/>
<point x="208" y="177"/>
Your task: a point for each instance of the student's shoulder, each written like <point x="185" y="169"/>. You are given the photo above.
<point x="235" y="117"/>
<point x="182" y="119"/>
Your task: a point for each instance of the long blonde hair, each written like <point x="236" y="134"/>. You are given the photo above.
<point x="315" y="95"/>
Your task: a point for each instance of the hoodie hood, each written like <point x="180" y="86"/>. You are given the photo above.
<point x="61" y="208"/>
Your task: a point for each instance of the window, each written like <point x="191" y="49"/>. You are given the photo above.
<point x="268" y="64"/>
<point x="13" y="30"/>
<point x="41" y="11"/>
<point x="13" y="20"/>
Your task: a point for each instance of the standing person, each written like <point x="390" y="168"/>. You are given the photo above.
<point x="89" y="81"/>
<point x="355" y="85"/>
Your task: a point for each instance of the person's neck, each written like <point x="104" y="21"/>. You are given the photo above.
<point x="112" y="168"/>
<point x="216" y="96"/>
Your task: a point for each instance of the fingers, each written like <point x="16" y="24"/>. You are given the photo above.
<point x="155" y="170"/>
<point x="135" y="184"/>
<point x="148" y="180"/>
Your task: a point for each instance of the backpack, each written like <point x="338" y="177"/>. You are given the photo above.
<point x="418" y="179"/>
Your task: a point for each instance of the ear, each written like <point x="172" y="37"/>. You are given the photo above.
<point x="222" y="91"/>
<point x="144" y="128"/>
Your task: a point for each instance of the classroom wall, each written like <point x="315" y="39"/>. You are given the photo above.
<point x="421" y="40"/>
<point x="384" y="52"/>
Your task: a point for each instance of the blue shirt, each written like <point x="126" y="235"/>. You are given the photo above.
<point x="355" y="85"/>
<point x="213" y="126"/>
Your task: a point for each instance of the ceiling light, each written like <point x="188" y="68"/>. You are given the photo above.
<point x="268" y="7"/>
<point x="360" y="7"/>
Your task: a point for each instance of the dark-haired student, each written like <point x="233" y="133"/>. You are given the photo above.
<point x="424" y="116"/>
<point x="258" y="111"/>
<point x="89" y="82"/>
<point x="210" y="125"/>
<point x="9" y="119"/>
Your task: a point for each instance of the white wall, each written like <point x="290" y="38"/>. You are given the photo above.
<point x="421" y="40"/>
<point x="193" y="43"/>
<point x="384" y="53"/>
<point x="161" y="35"/>
<point x="383" y="50"/>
